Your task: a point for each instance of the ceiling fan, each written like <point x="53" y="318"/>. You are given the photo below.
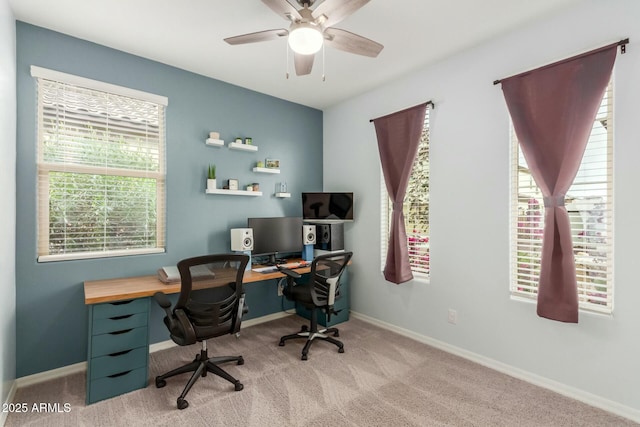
<point x="309" y="29"/>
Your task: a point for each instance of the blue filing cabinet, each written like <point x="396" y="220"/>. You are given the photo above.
<point x="341" y="304"/>
<point x="118" y="350"/>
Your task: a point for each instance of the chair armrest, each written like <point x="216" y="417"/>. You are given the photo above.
<point x="177" y="322"/>
<point x="291" y="277"/>
<point x="289" y="273"/>
<point x="162" y="300"/>
<point x="186" y="327"/>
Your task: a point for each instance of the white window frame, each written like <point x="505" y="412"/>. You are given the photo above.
<point x="591" y="220"/>
<point x="415" y="241"/>
<point x="48" y="77"/>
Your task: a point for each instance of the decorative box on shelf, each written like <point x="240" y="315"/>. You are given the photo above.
<point x="243" y="147"/>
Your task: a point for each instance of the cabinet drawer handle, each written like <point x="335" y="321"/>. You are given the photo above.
<point x="120" y="353"/>
<point x="121" y="332"/>
<point x="121" y="317"/>
<point x="122" y="302"/>
<point x="119" y="375"/>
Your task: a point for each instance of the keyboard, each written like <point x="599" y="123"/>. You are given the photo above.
<point x="273" y="268"/>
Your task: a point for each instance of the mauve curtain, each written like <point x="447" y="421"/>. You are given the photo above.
<point x="398" y="139"/>
<point x="553" y="109"/>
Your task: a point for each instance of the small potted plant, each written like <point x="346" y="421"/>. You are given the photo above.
<point x="211" y="177"/>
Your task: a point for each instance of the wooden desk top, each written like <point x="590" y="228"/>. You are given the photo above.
<point x="97" y="291"/>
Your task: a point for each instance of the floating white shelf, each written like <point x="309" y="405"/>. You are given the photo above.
<point x="235" y="192"/>
<point x="244" y="147"/>
<point x="283" y="195"/>
<point x="214" y="142"/>
<point x="266" y="170"/>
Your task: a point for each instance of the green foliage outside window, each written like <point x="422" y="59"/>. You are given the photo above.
<point x="416" y="207"/>
<point x="100" y="212"/>
<point x="85" y="216"/>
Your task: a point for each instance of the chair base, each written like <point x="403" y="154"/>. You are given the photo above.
<point x="312" y="334"/>
<point x="200" y="366"/>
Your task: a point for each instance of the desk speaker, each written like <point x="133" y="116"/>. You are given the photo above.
<point x="308" y="234"/>
<point x="330" y="237"/>
<point x="241" y="239"/>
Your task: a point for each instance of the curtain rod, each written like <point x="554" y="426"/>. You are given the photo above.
<point x="399" y="111"/>
<point x="623" y="49"/>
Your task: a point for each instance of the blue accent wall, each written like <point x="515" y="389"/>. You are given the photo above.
<point x="51" y="317"/>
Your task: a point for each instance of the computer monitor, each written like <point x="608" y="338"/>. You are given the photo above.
<point x="327" y="207"/>
<point x="275" y="237"/>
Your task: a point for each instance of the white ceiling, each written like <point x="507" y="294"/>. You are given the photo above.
<point x="188" y="34"/>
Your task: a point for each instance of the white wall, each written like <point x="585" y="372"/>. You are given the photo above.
<point x="470" y="209"/>
<point x="8" y="209"/>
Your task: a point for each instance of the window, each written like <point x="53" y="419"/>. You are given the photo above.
<point x="101" y="169"/>
<point x="416" y="209"/>
<point x="589" y="203"/>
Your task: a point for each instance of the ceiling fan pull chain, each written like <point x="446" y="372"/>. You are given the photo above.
<point x="323" y="79"/>
<point x="286" y="46"/>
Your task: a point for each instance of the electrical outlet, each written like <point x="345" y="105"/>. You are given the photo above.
<point x="452" y="316"/>
<point x="280" y="288"/>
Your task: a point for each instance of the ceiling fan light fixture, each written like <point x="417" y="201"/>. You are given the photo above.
<point x="305" y="39"/>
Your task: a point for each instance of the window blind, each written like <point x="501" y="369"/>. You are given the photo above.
<point x="589" y="203"/>
<point x="415" y="209"/>
<point x="101" y="172"/>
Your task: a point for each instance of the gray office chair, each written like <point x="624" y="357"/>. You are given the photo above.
<point x="211" y="304"/>
<point x="318" y="294"/>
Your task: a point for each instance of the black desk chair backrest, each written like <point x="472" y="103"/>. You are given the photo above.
<point x="326" y="271"/>
<point x="210" y="304"/>
<point x="318" y="294"/>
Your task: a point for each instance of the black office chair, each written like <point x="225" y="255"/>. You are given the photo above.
<point x="319" y="293"/>
<point x="211" y="304"/>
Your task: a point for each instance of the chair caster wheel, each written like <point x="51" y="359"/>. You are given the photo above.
<point x="160" y="383"/>
<point x="341" y="350"/>
<point x="240" y="361"/>
<point x="281" y="343"/>
<point x="182" y="404"/>
<point x="304" y="357"/>
<point x="238" y="386"/>
<point x="304" y="328"/>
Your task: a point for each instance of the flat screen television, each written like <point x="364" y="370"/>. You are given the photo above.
<point x="276" y="237"/>
<point x="327" y="207"/>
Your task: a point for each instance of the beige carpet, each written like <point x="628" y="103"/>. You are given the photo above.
<point x="382" y="379"/>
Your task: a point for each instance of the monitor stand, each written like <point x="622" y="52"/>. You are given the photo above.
<point x="272" y="259"/>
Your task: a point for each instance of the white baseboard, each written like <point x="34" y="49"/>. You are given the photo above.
<point x="50" y="375"/>
<point x="268" y="318"/>
<point x="8" y="400"/>
<point x="82" y="366"/>
<point x="563" y="389"/>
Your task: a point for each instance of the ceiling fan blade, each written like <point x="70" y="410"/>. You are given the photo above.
<point x="337" y="10"/>
<point x="352" y="43"/>
<point x="260" y="36"/>
<point x="283" y="8"/>
<point x="303" y="63"/>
